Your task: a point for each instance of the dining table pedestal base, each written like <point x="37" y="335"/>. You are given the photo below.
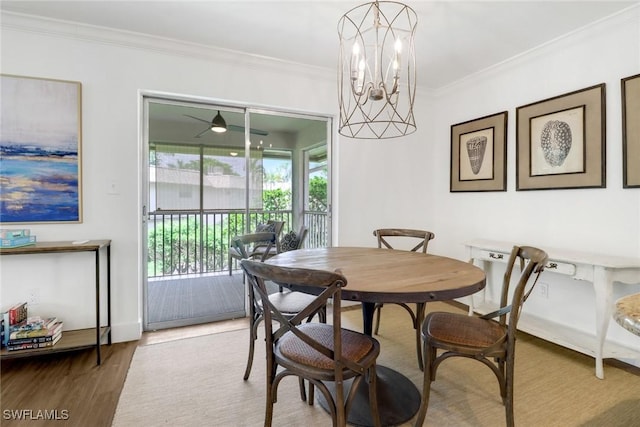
<point x="398" y="399"/>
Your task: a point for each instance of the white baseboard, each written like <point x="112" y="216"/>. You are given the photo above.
<point x="126" y="332"/>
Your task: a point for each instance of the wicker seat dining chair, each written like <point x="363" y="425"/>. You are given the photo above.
<point x="421" y="240"/>
<point x="289" y="303"/>
<point x="316" y="352"/>
<point x="260" y="248"/>
<point x="482" y="338"/>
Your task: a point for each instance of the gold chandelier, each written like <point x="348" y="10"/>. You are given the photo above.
<point x="377" y="75"/>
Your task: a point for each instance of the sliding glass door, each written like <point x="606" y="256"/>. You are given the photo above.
<point x="204" y="187"/>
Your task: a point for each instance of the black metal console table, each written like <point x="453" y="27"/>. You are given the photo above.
<point x="80" y="338"/>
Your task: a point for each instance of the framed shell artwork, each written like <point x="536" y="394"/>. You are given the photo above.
<point x="479" y="154"/>
<point x="560" y="141"/>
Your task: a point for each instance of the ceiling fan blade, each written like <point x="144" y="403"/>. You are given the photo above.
<point x="230" y="127"/>
<point x="251" y="130"/>
<point x="197" y="118"/>
<point x="203" y="132"/>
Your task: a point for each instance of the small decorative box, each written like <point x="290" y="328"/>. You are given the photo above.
<point x="17" y="242"/>
<point x="12" y="234"/>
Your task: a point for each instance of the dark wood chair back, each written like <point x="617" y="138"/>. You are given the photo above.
<point x="259" y="247"/>
<point x="483" y="338"/>
<point x="532" y="262"/>
<point x="317" y="352"/>
<point x="423" y="237"/>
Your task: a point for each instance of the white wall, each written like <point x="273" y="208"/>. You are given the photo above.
<point x="596" y="220"/>
<point x="399" y="182"/>
<point x="113" y="69"/>
<point x="593" y="220"/>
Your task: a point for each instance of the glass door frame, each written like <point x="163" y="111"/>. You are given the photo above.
<point x="299" y="184"/>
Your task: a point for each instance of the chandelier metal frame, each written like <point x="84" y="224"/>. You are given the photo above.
<point x="376" y="72"/>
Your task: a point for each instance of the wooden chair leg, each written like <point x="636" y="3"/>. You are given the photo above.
<point x="312" y="394"/>
<point x="417" y="319"/>
<point x="377" y="309"/>
<point x="509" y="374"/>
<point x="253" y="336"/>
<point x="303" y="391"/>
<point x="373" y="396"/>
<point x="272" y="391"/>
<point x="268" y="417"/>
<point x="420" y="309"/>
<point x="428" y="376"/>
<point x="509" y="411"/>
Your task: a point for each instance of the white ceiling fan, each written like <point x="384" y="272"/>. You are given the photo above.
<point x="219" y="125"/>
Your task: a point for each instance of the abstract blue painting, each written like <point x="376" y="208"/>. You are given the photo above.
<point x="40" y="150"/>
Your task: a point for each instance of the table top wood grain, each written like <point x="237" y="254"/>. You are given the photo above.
<point x="385" y="275"/>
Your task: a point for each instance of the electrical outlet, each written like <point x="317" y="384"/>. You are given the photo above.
<point x="34" y="297"/>
<point x="113" y="187"/>
<point x="543" y="290"/>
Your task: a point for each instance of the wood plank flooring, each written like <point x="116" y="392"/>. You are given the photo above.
<point x="64" y="386"/>
<point x="71" y="385"/>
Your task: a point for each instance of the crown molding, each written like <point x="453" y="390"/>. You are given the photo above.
<point x="630" y="15"/>
<point x="132" y="40"/>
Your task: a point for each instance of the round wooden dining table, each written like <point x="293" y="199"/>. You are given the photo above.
<point x="377" y="275"/>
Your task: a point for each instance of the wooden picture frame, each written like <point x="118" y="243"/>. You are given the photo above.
<point x="631" y="131"/>
<point x="41" y="147"/>
<point x="479" y="154"/>
<point x="560" y="141"/>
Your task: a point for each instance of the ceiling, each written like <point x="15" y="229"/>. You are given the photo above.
<point x="454" y="39"/>
<point x="182" y="122"/>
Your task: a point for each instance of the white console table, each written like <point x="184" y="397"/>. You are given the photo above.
<point x="601" y="270"/>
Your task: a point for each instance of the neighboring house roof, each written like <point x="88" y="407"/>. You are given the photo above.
<point x="189" y="177"/>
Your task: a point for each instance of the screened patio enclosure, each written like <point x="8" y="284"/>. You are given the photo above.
<point x="204" y="188"/>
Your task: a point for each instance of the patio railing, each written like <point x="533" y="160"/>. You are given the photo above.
<point x="187" y="242"/>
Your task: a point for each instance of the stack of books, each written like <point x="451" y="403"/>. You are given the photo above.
<point x="16" y="238"/>
<point x="35" y="332"/>
<point x="15" y="315"/>
<point x="21" y="332"/>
